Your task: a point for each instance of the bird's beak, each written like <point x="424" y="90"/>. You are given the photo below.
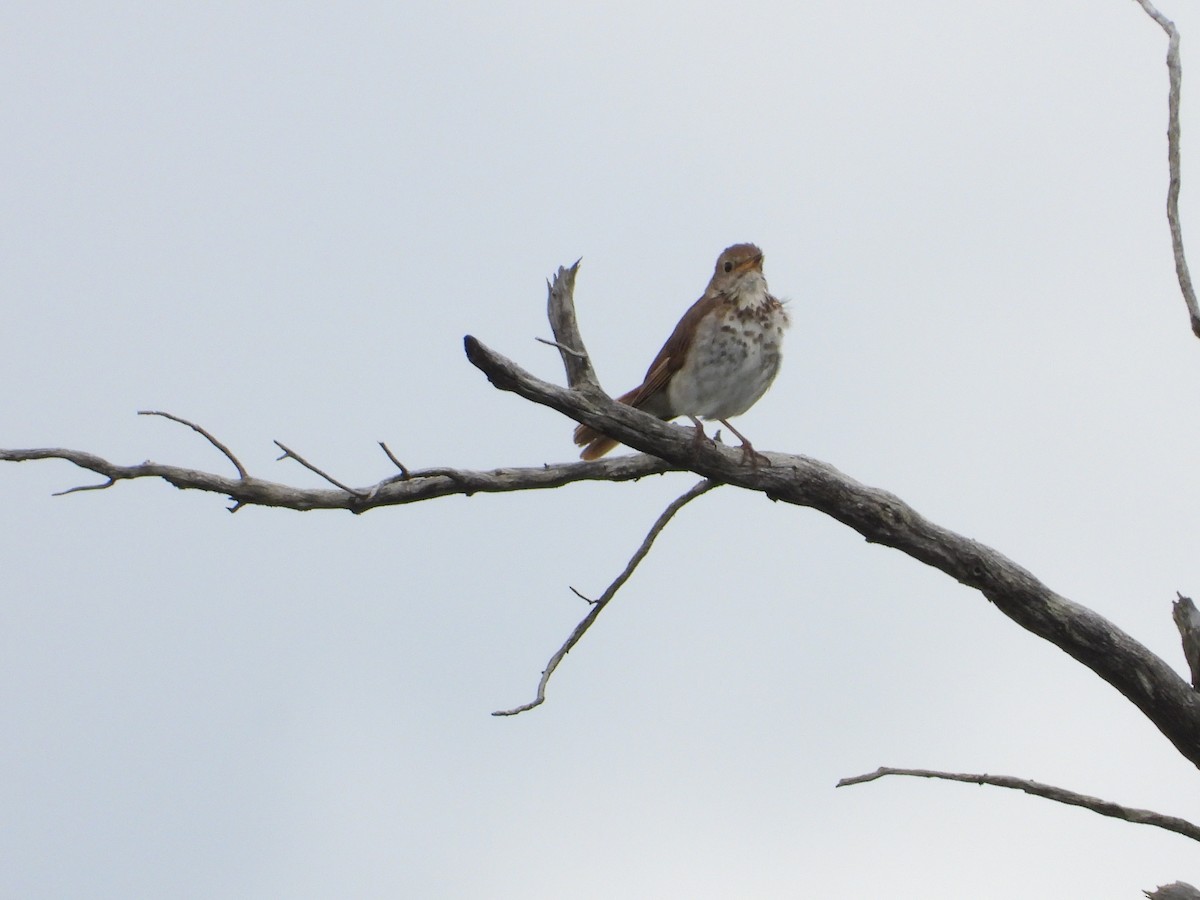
<point x="754" y="262"/>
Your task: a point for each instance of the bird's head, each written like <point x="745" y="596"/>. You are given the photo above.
<point x="734" y="263"/>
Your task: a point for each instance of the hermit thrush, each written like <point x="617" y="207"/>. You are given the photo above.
<point x="721" y="358"/>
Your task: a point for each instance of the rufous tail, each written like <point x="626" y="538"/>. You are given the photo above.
<point x="595" y="444"/>
<point x="597" y="447"/>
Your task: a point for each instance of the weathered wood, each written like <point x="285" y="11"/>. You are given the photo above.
<point x="883" y="518"/>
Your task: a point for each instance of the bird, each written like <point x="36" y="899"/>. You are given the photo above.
<point x="720" y="359"/>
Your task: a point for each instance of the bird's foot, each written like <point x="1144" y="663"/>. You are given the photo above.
<point x="754" y="457"/>
<point x="749" y="454"/>
<point x="698" y="435"/>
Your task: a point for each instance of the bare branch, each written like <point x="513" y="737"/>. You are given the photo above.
<point x="1175" y="77"/>
<point x="241" y="470"/>
<point x="411" y="487"/>
<point x="1050" y="792"/>
<point x="1187" y="620"/>
<point x="598" y="605"/>
<point x="881" y="517"/>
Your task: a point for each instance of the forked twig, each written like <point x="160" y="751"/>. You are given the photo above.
<point x="598" y="605"/>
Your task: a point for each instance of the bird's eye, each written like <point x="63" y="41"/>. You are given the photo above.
<point x="728" y="266"/>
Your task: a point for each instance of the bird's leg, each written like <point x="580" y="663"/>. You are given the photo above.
<point x="748" y="451"/>
<point x="698" y="436"/>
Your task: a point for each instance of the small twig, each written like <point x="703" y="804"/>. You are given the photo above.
<point x="563" y="347"/>
<point x="212" y="440"/>
<point x="1049" y="792"/>
<point x="598" y="605"/>
<point x="586" y="599"/>
<point x="85" y="487"/>
<point x="289" y="453"/>
<point x="404" y="473"/>
<point x="1175" y="76"/>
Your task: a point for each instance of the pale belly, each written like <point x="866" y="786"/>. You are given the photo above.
<point x="731" y="366"/>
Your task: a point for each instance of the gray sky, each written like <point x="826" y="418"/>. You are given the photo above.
<point x="279" y="220"/>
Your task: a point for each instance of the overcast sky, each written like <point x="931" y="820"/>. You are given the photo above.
<point x="279" y="219"/>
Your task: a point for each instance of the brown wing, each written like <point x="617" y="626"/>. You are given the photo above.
<point x="671" y="357"/>
<point x="668" y="361"/>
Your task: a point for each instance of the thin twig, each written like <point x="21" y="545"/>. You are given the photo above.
<point x="578" y="593"/>
<point x="598" y="605"/>
<point x="1048" y="791"/>
<point x="212" y="440"/>
<point x="563" y="347"/>
<point x="404" y="473"/>
<point x="1175" y="76"/>
<point x="287" y="452"/>
<point x="85" y="487"/>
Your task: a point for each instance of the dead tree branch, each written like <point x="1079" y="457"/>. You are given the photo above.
<point x="409" y="487"/>
<point x="598" y="605"/>
<point x="1175" y="78"/>
<point x="878" y="515"/>
<point x="883" y="518"/>
<point x="1050" y="792"/>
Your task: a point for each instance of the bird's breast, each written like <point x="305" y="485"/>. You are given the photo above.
<point x="733" y="359"/>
